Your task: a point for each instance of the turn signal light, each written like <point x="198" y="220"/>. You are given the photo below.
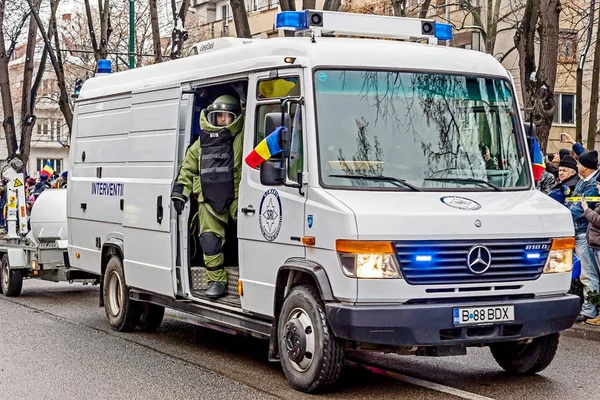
<point x="563" y="244"/>
<point x="363" y="247"/>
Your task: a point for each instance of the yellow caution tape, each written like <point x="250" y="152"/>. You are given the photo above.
<point x="587" y="198"/>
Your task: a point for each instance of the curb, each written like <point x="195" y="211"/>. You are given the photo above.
<point x="582" y="331"/>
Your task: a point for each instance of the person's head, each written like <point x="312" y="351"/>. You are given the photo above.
<point x="551" y="168"/>
<point x="555" y="158"/>
<point x="485" y="152"/>
<point x="587" y="163"/>
<point x="562" y="153"/>
<point x="223" y="111"/>
<point x="64" y="175"/>
<point x="44" y="178"/>
<point x="567" y="168"/>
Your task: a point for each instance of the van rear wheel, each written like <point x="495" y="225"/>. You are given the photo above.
<point x="123" y="313"/>
<point x="311" y="356"/>
<point x="151" y="316"/>
<point x="11" y="280"/>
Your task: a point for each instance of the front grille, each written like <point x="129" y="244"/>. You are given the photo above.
<point x="445" y="262"/>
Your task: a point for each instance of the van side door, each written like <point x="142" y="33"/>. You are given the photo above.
<point x="149" y="253"/>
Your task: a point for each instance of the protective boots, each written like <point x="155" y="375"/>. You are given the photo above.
<point x="216" y="290"/>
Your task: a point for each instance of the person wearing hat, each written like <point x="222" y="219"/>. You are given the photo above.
<point x="587" y="166"/>
<point x="593" y="236"/>
<point x="567" y="179"/>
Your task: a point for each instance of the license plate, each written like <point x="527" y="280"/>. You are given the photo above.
<point x="483" y="315"/>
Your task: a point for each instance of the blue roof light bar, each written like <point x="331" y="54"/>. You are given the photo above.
<point x="363" y="25"/>
<point x="443" y="31"/>
<point x="292" y="20"/>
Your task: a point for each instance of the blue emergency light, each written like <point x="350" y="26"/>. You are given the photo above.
<point x="293" y="20"/>
<point x="443" y="31"/>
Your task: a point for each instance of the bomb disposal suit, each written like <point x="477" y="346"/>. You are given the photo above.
<point x="216" y="157"/>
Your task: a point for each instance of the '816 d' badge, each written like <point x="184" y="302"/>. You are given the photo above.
<point x="269" y="215"/>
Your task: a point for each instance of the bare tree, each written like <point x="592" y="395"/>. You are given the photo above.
<point x="240" y="18"/>
<point x="7" y="102"/>
<point x="101" y="48"/>
<point x="179" y="35"/>
<point x="579" y="83"/>
<point x="331" y="5"/>
<point x="155" y="31"/>
<point x="424" y="8"/>
<point x="593" y="126"/>
<point x="309" y="4"/>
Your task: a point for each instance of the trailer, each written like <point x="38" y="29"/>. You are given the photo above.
<point x="35" y="246"/>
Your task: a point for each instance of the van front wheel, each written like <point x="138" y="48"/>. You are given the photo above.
<point x="123" y="313"/>
<point x="526" y="358"/>
<point x="311" y="356"/>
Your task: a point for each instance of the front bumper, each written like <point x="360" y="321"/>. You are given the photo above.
<point x="432" y="324"/>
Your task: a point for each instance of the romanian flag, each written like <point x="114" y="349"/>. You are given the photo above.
<point x="537" y="159"/>
<point x="266" y="149"/>
<point x="48" y="170"/>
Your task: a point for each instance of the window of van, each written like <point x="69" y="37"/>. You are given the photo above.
<point x="396" y="130"/>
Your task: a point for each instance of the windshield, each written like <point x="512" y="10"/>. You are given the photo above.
<point x="429" y="131"/>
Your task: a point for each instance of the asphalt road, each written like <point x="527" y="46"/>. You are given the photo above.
<point x="55" y="343"/>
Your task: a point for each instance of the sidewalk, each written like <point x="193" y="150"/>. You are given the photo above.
<point x="583" y="331"/>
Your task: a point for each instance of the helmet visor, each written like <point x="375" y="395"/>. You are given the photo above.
<point x="221" y="117"/>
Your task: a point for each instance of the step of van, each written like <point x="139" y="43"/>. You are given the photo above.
<point x="199" y="285"/>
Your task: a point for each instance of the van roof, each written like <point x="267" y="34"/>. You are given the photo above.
<point x="270" y="53"/>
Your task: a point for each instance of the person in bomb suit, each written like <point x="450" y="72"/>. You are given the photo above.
<point x="216" y="159"/>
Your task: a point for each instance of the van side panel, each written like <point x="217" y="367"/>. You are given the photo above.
<point x="133" y="139"/>
<point x="100" y="140"/>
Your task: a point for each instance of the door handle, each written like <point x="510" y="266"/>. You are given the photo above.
<point x="248" y="210"/>
<point x="159" y="210"/>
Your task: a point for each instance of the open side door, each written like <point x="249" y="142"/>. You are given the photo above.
<point x="149" y="251"/>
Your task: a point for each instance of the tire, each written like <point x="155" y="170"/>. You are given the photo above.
<point x="304" y="311"/>
<point x="11" y="280"/>
<point x="526" y="359"/>
<point x="123" y="313"/>
<point x="151" y="316"/>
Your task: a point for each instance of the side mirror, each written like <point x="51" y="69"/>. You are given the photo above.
<point x="271" y="174"/>
<point x="529" y="129"/>
<point x="274" y="121"/>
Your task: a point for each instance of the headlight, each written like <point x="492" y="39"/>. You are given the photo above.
<point x="560" y="258"/>
<point x="365" y="259"/>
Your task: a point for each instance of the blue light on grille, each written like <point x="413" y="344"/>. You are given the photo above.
<point x="423" y="258"/>
<point x="533" y="256"/>
<point x="443" y="31"/>
<point x="296" y="20"/>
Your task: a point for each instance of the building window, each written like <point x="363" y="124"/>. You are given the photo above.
<point x="56" y="164"/>
<point x="565" y="109"/>
<point x="567" y="47"/>
<point x="225" y="12"/>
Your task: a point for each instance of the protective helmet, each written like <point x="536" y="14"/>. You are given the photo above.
<point x="64" y="175"/>
<point x="223" y="111"/>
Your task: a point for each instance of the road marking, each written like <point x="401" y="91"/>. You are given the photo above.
<point x="419" y="382"/>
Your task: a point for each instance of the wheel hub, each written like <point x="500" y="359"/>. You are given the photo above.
<point x="5" y="276"/>
<point x="299" y="340"/>
<point x="295" y="340"/>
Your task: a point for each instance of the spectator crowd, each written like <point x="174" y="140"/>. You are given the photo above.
<point x="572" y="178"/>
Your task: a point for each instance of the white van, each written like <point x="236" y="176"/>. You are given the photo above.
<point x="401" y="217"/>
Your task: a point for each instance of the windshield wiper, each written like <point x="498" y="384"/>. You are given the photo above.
<point x="380" y="178"/>
<point x="467" y="180"/>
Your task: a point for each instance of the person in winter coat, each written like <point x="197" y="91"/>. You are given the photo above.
<point x="587" y="166"/>
<point x="546" y="183"/>
<point x="216" y="158"/>
<point x="593" y="237"/>
<point x="567" y="179"/>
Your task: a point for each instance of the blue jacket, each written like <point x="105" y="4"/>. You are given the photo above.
<point x="579" y="149"/>
<point x="586" y="189"/>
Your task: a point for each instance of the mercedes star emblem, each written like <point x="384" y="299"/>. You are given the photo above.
<point x="479" y="259"/>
